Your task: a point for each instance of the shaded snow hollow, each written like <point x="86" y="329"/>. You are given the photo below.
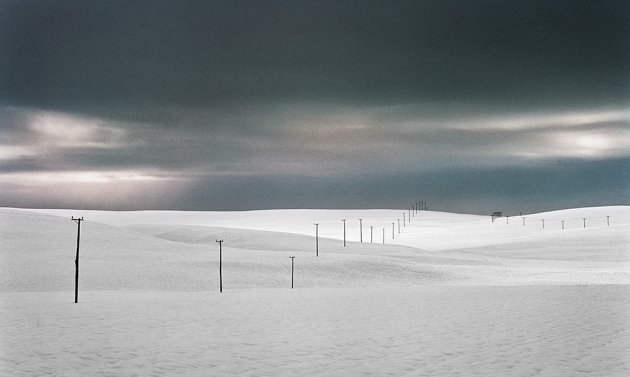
<point x="449" y="295"/>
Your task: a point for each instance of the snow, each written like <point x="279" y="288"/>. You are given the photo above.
<point x="451" y="294"/>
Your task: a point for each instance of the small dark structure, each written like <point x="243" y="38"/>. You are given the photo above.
<point x="496" y="215"/>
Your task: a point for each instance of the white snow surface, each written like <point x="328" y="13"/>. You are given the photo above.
<point x="449" y="294"/>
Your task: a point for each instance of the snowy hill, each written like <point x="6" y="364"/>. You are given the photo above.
<point x="450" y="294"/>
<point x="177" y="250"/>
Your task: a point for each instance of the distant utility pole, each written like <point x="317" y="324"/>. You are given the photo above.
<point x="317" y="239"/>
<point x="507" y="219"/>
<point x="371" y="233"/>
<point x="398" y="225"/>
<point x="361" y="230"/>
<point x="292" y="265"/>
<point x="393" y="230"/>
<point x="404" y="221"/>
<point x="76" y="260"/>
<point x="413" y="211"/>
<point x="543" y="222"/>
<point x="562" y="224"/>
<point x="584" y="219"/>
<point x="608" y="220"/>
<point x="220" y="265"/>
<point x="421" y="205"/>
<point x="344" y="233"/>
<point x="383" y="236"/>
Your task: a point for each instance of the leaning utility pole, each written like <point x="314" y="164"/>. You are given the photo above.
<point x="76" y="261"/>
<point x="220" y="265"/>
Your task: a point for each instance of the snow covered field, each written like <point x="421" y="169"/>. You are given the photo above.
<point x="449" y="295"/>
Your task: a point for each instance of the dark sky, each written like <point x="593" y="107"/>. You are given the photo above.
<point x="473" y="106"/>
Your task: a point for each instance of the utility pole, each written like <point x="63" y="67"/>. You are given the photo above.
<point x="76" y="260"/>
<point x="562" y="224"/>
<point x="608" y="220"/>
<point x="409" y="216"/>
<point x="220" y="265"/>
<point x="507" y="219"/>
<point x="584" y="219"/>
<point x="292" y="264"/>
<point x="543" y="222"/>
<point x="361" y="230"/>
<point x="383" y="236"/>
<point x="344" y="233"/>
<point x="404" y="221"/>
<point x="393" y="230"/>
<point x="371" y="234"/>
<point x="317" y="239"/>
<point x="398" y="226"/>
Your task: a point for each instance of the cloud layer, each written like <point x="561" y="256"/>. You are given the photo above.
<point x="313" y="104"/>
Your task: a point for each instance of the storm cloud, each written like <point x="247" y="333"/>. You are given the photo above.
<point x="350" y="104"/>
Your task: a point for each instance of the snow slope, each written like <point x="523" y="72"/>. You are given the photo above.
<point x="449" y="295"/>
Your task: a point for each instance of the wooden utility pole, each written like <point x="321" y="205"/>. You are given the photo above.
<point x="543" y="222"/>
<point x="77" y="220"/>
<point x="220" y="265"/>
<point x="371" y="234"/>
<point x="344" y="233"/>
<point x="562" y="224"/>
<point x="292" y="264"/>
<point x="361" y="230"/>
<point x="398" y="225"/>
<point x="584" y="219"/>
<point x="383" y="236"/>
<point x="393" y="230"/>
<point x="317" y="239"/>
<point x="404" y="221"/>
